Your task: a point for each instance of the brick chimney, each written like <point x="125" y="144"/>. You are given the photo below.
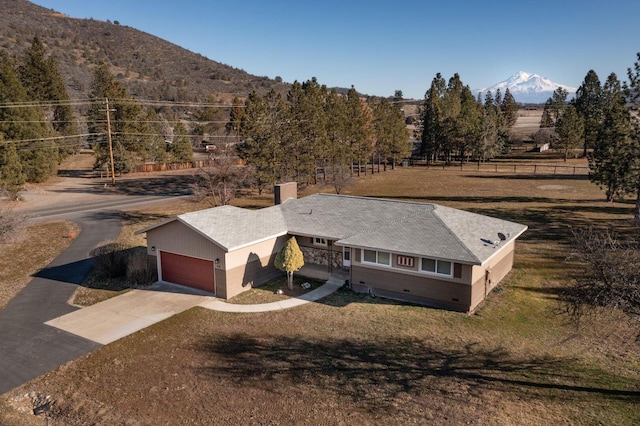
<point x="285" y="191"/>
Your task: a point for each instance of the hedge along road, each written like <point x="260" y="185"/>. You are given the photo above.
<point x="28" y="347"/>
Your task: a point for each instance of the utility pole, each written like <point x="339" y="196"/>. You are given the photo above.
<point x="113" y="169"/>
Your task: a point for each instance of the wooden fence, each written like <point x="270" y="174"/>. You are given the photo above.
<point x="532" y="169"/>
<point x="161" y="167"/>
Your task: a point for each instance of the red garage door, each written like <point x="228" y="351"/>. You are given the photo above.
<point x="187" y="271"/>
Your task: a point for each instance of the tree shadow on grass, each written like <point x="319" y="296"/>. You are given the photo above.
<point x="375" y="372"/>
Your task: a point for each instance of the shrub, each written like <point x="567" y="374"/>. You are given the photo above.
<point x="139" y="270"/>
<point x="110" y="260"/>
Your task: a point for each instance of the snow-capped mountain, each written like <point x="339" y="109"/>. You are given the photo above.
<point x="529" y="88"/>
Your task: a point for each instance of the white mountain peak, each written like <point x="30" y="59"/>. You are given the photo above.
<point x="528" y="88"/>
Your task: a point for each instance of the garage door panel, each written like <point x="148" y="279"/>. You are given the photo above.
<point x="187" y="271"/>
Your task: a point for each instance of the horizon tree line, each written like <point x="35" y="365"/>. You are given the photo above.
<point x="602" y="119"/>
<point x="315" y="129"/>
<point x="454" y="124"/>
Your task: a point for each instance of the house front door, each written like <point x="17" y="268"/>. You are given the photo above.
<point x="346" y="257"/>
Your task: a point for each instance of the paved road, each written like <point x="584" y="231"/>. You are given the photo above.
<point x="28" y="347"/>
<point x="70" y="211"/>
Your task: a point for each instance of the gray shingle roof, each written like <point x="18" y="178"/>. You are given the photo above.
<point x="419" y="229"/>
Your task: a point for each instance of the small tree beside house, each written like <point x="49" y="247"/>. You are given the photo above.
<point x="289" y="259"/>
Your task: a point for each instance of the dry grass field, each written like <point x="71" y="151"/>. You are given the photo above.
<point x="528" y="123"/>
<point x="353" y="359"/>
<point x="32" y="249"/>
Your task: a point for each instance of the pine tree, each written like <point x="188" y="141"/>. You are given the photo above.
<point x="181" y="150"/>
<point x="11" y="177"/>
<point x="129" y="129"/>
<point x="546" y="121"/>
<point x="306" y="134"/>
<point x="44" y="82"/>
<point x="209" y="117"/>
<point x="358" y="128"/>
<point x="607" y="165"/>
<point x="261" y="132"/>
<point x="430" y="126"/>
<point x="490" y="141"/>
<point x="340" y="155"/>
<point x="157" y="152"/>
<point x="235" y="117"/>
<point x="289" y="259"/>
<point x="391" y="134"/>
<point x="633" y="96"/>
<point x="25" y="126"/>
<point x="570" y="130"/>
<point x="588" y="103"/>
<point x="509" y="108"/>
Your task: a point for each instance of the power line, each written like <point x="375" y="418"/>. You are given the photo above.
<point x="52" y="138"/>
<point x="144" y="102"/>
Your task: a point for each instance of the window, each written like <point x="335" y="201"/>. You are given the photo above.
<point x="369" y="256"/>
<point x="428" y="265"/>
<point x="319" y="241"/>
<point x="377" y="257"/>
<point x="443" y="267"/>
<point x="405" y="261"/>
<point x="433" y="266"/>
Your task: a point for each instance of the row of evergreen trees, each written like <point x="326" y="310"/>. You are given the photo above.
<point x="603" y="120"/>
<point x="316" y="129"/>
<point x="138" y="134"/>
<point x="37" y="124"/>
<point x="453" y="123"/>
<point x="38" y="127"/>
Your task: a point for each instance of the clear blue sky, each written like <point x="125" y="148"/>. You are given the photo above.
<point x="380" y="46"/>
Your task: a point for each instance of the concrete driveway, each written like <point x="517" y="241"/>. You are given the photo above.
<point x="115" y="318"/>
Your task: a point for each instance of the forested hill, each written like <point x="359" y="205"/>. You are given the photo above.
<point x="149" y="67"/>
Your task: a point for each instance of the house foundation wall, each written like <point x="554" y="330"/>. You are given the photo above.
<point x="416" y="289"/>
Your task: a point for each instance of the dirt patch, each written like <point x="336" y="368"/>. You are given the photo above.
<point x="555" y="187"/>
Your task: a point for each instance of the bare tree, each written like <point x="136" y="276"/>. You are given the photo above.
<point x="610" y="278"/>
<point x="341" y="176"/>
<point x="219" y="184"/>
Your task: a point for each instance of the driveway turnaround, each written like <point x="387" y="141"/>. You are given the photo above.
<point x="28" y="347"/>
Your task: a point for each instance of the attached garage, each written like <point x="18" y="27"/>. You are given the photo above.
<point x="187" y="271"/>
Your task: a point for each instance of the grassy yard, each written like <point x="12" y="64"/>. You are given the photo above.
<point x="353" y="359"/>
<point x="33" y="248"/>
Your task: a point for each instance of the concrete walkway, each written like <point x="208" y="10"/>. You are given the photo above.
<point x="318" y="293"/>
<point x="115" y="318"/>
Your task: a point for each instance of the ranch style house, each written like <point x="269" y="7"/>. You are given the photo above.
<point x="417" y="252"/>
